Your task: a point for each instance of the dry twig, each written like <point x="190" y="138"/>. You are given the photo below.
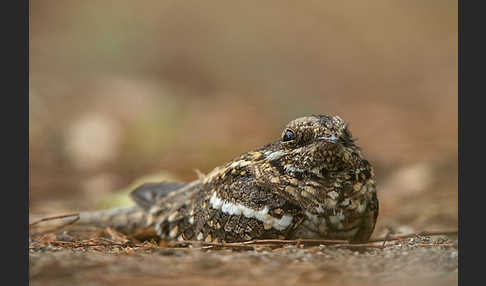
<point x="75" y="215"/>
<point x="308" y="242"/>
<point x="390" y="237"/>
<point x="122" y="240"/>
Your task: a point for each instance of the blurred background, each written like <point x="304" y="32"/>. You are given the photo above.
<point x="123" y="92"/>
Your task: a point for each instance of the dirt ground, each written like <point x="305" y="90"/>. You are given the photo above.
<point x="104" y="257"/>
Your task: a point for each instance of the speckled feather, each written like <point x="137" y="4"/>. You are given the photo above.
<point x="313" y="182"/>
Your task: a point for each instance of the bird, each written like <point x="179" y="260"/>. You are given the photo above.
<point x="311" y="182"/>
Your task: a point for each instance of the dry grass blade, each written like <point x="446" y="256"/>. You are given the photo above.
<point x="54" y="217"/>
<point x="295" y="241"/>
<point x="116" y="236"/>
<point x="309" y="242"/>
<point x="390" y="237"/>
<point x="436" y="244"/>
<point x="75" y="219"/>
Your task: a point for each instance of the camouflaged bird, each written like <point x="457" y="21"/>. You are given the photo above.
<point x="313" y="182"/>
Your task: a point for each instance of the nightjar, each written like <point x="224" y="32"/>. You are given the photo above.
<point x="312" y="182"/>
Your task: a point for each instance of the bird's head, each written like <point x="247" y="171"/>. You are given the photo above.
<point x="314" y="142"/>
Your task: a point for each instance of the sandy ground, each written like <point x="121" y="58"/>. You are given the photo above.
<point x="104" y="257"/>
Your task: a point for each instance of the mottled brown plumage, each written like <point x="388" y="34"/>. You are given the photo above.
<point x="312" y="182"/>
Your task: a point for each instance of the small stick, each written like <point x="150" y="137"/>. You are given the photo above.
<point x="261" y="241"/>
<point x="297" y="244"/>
<point x="424" y="233"/>
<point x="85" y="243"/>
<point x="301" y="240"/>
<point x="364" y="245"/>
<point x="53" y="218"/>
<point x="439" y="244"/>
<point x="388" y="232"/>
<point x="56" y="217"/>
<point x="333" y="243"/>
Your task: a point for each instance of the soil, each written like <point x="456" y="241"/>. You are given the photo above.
<point x="105" y="257"/>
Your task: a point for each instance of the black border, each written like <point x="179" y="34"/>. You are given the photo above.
<point x="471" y="126"/>
<point x="15" y="134"/>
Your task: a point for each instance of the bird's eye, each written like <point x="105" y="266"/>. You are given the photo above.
<point x="288" y="136"/>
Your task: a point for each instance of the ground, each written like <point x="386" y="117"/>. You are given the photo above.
<point x="104" y="257"/>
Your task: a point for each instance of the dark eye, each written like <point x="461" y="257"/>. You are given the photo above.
<point x="288" y="136"/>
